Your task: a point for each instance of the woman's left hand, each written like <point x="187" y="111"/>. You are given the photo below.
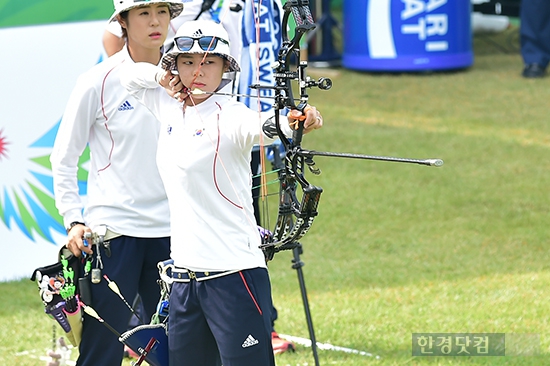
<point x="313" y="118"/>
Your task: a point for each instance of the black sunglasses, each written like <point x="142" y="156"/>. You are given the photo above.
<point x="205" y="43"/>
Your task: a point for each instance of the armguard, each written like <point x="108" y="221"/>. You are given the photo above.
<point x="269" y="128"/>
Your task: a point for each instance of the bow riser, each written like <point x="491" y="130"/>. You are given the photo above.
<point x="295" y="216"/>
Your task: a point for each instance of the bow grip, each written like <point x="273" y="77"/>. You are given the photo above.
<point x="298" y="125"/>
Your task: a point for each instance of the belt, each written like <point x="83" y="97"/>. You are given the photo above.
<point x="107" y="234"/>
<point x="111" y="235"/>
<point x="185" y="275"/>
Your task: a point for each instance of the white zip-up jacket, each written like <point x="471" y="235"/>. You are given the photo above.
<point x="204" y="161"/>
<point x="124" y="189"/>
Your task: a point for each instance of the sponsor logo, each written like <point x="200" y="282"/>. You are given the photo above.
<point x="250" y="341"/>
<point x="126" y="106"/>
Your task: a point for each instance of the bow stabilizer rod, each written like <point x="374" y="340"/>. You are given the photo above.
<point x="428" y="162"/>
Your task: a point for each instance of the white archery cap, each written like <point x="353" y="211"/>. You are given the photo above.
<point x="215" y="40"/>
<point x="176" y="6"/>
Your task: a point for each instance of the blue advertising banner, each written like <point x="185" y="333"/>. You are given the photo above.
<point x="407" y="35"/>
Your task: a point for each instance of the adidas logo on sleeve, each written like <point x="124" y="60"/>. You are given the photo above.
<point x="250" y="341"/>
<point x="126" y="106"/>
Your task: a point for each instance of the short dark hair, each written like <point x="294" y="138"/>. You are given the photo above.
<point x="124" y="15"/>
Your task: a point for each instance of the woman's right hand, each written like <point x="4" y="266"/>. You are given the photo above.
<point x="173" y="85"/>
<point x="76" y="243"/>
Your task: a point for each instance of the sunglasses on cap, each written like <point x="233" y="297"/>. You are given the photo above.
<point x="206" y="43"/>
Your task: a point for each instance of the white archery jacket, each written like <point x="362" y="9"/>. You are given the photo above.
<point x="124" y="190"/>
<point x="204" y="161"/>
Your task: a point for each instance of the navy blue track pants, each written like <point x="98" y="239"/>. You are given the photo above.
<point x="133" y="266"/>
<point x="224" y="320"/>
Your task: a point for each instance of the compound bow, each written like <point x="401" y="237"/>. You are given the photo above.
<point x="295" y="215"/>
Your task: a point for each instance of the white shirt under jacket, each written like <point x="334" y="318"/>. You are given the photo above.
<point x="124" y="191"/>
<point x="212" y="218"/>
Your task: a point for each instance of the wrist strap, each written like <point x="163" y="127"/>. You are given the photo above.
<point x="73" y="224"/>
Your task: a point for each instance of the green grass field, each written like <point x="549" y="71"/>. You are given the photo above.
<point x="397" y="248"/>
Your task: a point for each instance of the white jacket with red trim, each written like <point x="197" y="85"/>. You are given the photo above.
<point x="124" y="189"/>
<point x="204" y="161"/>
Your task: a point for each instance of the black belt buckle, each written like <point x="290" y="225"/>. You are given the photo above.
<point x="107" y="247"/>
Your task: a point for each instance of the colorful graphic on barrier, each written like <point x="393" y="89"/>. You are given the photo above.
<point x="3" y="146"/>
<point x="27" y="198"/>
<point x="66" y="38"/>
